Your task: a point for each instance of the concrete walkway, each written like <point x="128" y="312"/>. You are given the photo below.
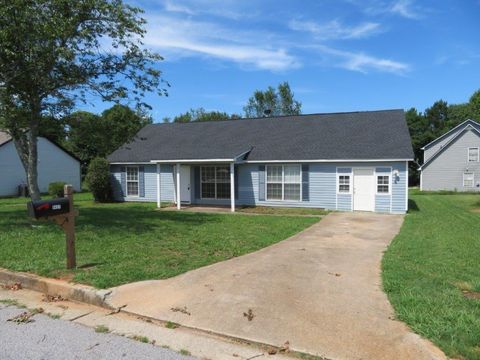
<point x="320" y="290"/>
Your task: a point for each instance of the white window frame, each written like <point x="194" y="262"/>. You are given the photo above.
<point x="350" y="182"/>
<point x="282" y="182"/>
<point x="215" y="182"/>
<point x="473" y="180"/>
<point x="389" y="174"/>
<point x="468" y="154"/>
<point x="132" y="181"/>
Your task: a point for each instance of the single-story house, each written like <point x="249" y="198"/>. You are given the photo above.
<point x="54" y="164"/>
<point x="340" y="161"/>
<point x="452" y="161"/>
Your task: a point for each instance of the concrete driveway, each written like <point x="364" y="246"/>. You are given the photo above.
<point x="320" y="290"/>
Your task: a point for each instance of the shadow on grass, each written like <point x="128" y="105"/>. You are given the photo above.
<point x="118" y="218"/>
<point x="412" y="206"/>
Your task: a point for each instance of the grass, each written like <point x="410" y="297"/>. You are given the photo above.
<point x="185" y="352"/>
<point x="171" y="325"/>
<point x="430" y="265"/>
<point x="141" y="338"/>
<point x="102" y="329"/>
<point x="282" y="211"/>
<point x="119" y="243"/>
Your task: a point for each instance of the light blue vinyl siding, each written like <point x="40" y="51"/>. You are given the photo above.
<point x="322" y="187"/>
<point x="344" y="202"/>
<point x="166" y="183"/>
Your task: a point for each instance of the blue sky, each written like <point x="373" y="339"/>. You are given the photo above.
<point x="337" y="55"/>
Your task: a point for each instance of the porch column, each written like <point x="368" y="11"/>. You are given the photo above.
<point x="159" y="198"/>
<point x="178" y="186"/>
<point x="232" y="187"/>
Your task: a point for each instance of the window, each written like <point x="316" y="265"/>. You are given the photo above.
<point x="383" y="184"/>
<point x="284" y="182"/>
<point x="468" y="180"/>
<point x="132" y="181"/>
<point x="215" y="182"/>
<point x="473" y="154"/>
<point x="344" y="183"/>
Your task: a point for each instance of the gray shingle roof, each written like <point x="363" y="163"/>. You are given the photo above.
<point x="4" y="138"/>
<point x="369" y="135"/>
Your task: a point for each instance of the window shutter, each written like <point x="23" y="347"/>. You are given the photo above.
<point x="123" y="180"/>
<point x="235" y="179"/>
<point x="141" y="181"/>
<point x="196" y="182"/>
<point x="305" y="182"/>
<point x="261" y="183"/>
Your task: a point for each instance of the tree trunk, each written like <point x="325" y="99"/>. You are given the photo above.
<point x="27" y="150"/>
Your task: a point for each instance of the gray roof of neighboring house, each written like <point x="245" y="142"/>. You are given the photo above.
<point x="368" y="135"/>
<point x="4" y="138"/>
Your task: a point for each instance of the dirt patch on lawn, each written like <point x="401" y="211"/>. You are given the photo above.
<point x="471" y="294"/>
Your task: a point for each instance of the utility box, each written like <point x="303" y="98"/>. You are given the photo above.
<point x="48" y="208"/>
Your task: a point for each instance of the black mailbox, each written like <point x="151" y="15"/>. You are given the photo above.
<point x="46" y="208"/>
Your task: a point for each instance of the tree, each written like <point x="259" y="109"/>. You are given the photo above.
<point x="98" y="179"/>
<point x="273" y="102"/>
<point x="91" y="135"/>
<point x="53" y="53"/>
<point x="201" y="114"/>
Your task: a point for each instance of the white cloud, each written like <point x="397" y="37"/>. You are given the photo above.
<point x="335" y="30"/>
<point x="404" y="8"/>
<point x="176" y="7"/>
<point x="189" y="37"/>
<point x="359" y="61"/>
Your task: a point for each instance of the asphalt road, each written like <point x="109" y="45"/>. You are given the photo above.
<point x="47" y="338"/>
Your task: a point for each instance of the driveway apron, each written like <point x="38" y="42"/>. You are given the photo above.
<point x="320" y="290"/>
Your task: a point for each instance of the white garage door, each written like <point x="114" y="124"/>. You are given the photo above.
<point x="363" y="190"/>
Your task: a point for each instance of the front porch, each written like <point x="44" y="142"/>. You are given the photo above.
<point x="202" y="185"/>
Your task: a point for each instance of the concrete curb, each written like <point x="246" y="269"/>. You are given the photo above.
<point x="54" y="287"/>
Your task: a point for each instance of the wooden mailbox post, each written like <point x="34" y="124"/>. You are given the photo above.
<point x="61" y="211"/>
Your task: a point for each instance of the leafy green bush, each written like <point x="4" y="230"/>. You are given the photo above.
<point x="56" y="188"/>
<point x="98" y="179"/>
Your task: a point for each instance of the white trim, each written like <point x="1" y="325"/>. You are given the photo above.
<point x="132" y="181"/>
<point x="390" y="175"/>
<point x="421" y="179"/>
<point x="350" y="192"/>
<point x="159" y="201"/>
<point x="178" y="196"/>
<point x="448" y="132"/>
<point x="130" y="163"/>
<point x="473" y="179"/>
<point x="192" y="161"/>
<point x="468" y="154"/>
<point x="283" y="185"/>
<point x="321" y="160"/>
<point x="406" y="185"/>
<point x="232" y="187"/>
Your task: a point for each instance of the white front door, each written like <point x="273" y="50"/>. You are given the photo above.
<point x="363" y="190"/>
<point x="185" y="192"/>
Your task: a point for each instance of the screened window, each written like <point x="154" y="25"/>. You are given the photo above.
<point x="468" y="180"/>
<point x="343" y="183"/>
<point x="473" y="154"/>
<point x="215" y="182"/>
<point x="284" y="182"/>
<point x="383" y="184"/>
<point x="132" y="181"/>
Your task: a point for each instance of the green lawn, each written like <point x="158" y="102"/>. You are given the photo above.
<point x="124" y="242"/>
<point x="282" y="211"/>
<point x="431" y="267"/>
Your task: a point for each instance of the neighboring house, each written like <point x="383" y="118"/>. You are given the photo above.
<point x="341" y="161"/>
<point x="54" y="164"/>
<point x="452" y="161"/>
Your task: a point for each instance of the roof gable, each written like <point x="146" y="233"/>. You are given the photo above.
<point x="369" y="135"/>
<point x="458" y="135"/>
<point x="457" y="128"/>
